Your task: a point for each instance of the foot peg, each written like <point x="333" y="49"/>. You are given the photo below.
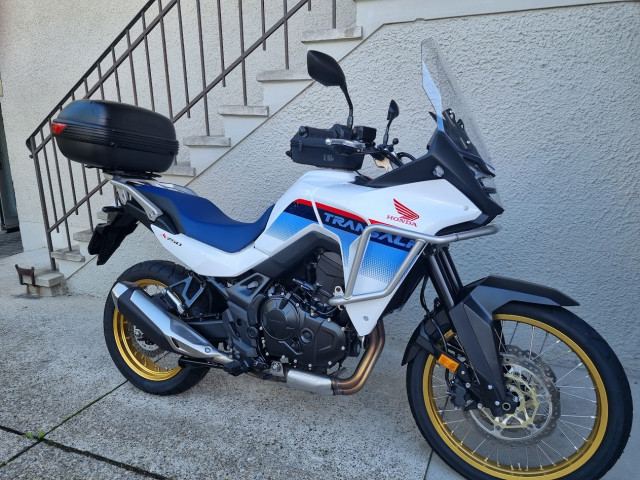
<point x="235" y="368"/>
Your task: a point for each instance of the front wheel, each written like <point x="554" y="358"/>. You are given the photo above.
<point x="575" y="410"/>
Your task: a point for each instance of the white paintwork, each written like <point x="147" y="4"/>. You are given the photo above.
<point x="437" y="203"/>
<point x="207" y="260"/>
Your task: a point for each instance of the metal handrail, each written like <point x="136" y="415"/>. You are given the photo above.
<point x="48" y="161"/>
<point x="421" y="240"/>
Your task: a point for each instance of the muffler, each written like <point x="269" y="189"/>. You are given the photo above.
<point x="160" y="326"/>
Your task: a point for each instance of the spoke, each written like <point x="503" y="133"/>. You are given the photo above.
<point x="569" y="427"/>
<point x="584" y="388"/>
<point x="514" y="333"/>
<point x="577" y="396"/>
<point x="509" y="457"/>
<point x="559" y="454"/>
<point x="453" y="421"/>
<point x="544" y="340"/>
<point x="569" y="372"/>
<point x="489" y="454"/>
<point x="500" y="336"/>
<point x="549" y="348"/>
<point x="454" y="430"/>
<point x="559" y="355"/>
<point x="575" y="381"/>
<point x="533" y="331"/>
<point x="476" y="449"/>
<point x="538" y="454"/>
<point x="579" y="416"/>
<point x="545" y="454"/>
<point x="567" y="437"/>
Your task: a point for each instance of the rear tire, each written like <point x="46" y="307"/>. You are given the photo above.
<point x="576" y="408"/>
<point x="142" y="363"/>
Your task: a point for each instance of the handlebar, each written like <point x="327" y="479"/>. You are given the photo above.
<point x="346" y="143"/>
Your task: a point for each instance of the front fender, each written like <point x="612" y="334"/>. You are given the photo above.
<point x="484" y="297"/>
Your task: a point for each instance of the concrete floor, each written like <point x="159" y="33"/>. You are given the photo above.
<point x="58" y="382"/>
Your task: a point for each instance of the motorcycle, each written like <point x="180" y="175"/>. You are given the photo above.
<point x="503" y="381"/>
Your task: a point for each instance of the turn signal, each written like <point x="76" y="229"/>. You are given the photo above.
<point x="448" y="363"/>
<point x="57" y="128"/>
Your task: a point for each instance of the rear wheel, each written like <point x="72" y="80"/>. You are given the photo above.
<point x="142" y="362"/>
<point x="575" y="409"/>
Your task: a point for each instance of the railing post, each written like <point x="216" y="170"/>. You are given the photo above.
<point x="43" y="205"/>
<point x="243" y="68"/>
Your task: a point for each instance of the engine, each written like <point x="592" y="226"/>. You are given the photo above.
<point x="298" y="324"/>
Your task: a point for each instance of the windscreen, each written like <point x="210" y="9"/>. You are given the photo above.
<point x="444" y="94"/>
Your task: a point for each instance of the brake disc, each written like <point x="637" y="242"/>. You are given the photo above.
<point x="533" y="383"/>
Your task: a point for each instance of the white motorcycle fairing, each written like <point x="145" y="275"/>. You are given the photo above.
<point x="332" y="204"/>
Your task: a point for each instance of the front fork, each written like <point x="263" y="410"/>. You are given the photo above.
<point x="475" y="329"/>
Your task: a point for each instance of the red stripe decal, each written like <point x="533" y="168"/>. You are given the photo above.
<point x="303" y="202"/>
<point x="337" y="211"/>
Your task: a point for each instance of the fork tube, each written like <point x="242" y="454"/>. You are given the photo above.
<point x="447" y="262"/>
<point x="439" y="279"/>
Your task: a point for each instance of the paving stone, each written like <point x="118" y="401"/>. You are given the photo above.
<point x="243" y="427"/>
<point x="11" y="444"/>
<point x="44" y="461"/>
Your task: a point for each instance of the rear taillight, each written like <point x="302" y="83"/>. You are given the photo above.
<point x="57" y="128"/>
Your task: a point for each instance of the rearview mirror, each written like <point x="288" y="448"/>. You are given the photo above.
<point x="325" y="69"/>
<point x="393" y="112"/>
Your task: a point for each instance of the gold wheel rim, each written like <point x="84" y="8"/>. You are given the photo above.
<point x="510" y="472"/>
<point x="141" y="364"/>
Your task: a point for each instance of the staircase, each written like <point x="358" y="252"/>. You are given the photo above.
<point x="72" y="196"/>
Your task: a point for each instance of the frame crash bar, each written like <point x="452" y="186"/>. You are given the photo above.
<point x="421" y="241"/>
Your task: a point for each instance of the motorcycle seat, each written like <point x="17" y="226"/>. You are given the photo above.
<point x="200" y="219"/>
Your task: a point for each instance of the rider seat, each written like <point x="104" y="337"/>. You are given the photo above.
<point x="200" y="219"/>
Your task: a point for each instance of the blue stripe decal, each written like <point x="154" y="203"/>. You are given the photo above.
<point x="381" y="262"/>
<point x="287" y="225"/>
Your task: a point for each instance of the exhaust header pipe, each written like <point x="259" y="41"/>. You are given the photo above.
<point x="160" y="326"/>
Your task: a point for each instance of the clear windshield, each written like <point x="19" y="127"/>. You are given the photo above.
<point x="444" y="94"/>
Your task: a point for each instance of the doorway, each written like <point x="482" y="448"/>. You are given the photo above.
<point x="8" y="210"/>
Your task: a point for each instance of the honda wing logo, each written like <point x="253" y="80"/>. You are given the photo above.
<point x="406" y="215"/>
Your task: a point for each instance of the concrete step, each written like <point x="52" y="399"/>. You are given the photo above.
<point x="279" y="87"/>
<point x="205" y="150"/>
<point x="48" y="283"/>
<point x="332" y="34"/>
<point x="69" y="261"/>
<point x="244" y="110"/>
<point x="181" y="170"/>
<point x="83" y="236"/>
<point x="336" y="42"/>
<point x="240" y="120"/>
<point x="207" y="141"/>
<point x="267" y="76"/>
<point x="72" y="255"/>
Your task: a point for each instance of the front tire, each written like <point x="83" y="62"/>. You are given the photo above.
<point x="141" y="362"/>
<point x="575" y="409"/>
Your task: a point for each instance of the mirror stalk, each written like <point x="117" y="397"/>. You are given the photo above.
<point x="343" y="87"/>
